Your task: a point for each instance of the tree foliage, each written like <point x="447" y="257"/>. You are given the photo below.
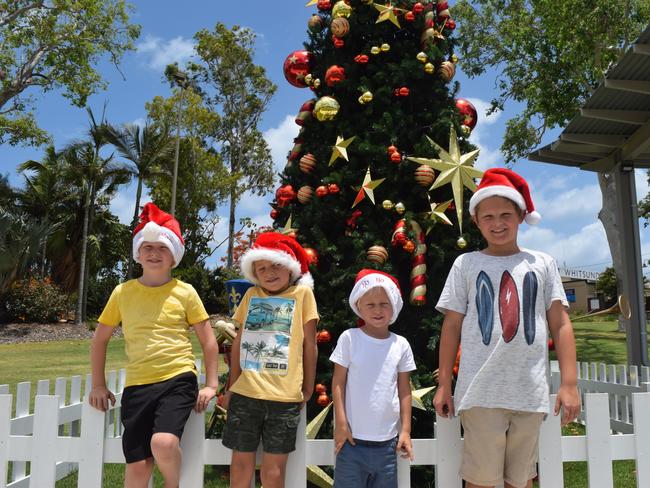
<point x="55" y="45"/>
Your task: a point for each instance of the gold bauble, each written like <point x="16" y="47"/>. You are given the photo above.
<point x="461" y="243"/>
<point x="385" y="47"/>
<point x="305" y="194"/>
<point x="400" y="208"/>
<point x="377" y="254"/>
<point x="326" y="108"/>
<point x="375" y="50"/>
<point x="341" y="9"/>
<point x="454" y="59"/>
<point x="366" y="97"/>
<point x="465" y="130"/>
<point x="422" y="57"/>
<point x="316" y="83"/>
<point x="429" y="68"/>
<point x="425" y="175"/>
<point x="309" y="78"/>
<point x="387" y="204"/>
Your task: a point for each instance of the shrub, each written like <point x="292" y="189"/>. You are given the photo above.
<point x="37" y="300"/>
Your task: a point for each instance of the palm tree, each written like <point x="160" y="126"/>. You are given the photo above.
<point x="259" y="348"/>
<point x="147" y="148"/>
<point x="246" y="346"/>
<point x="96" y="175"/>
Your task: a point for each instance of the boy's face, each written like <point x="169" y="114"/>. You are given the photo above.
<point x="155" y="257"/>
<point x="375" y="310"/>
<point x="498" y="220"/>
<point x="273" y="277"/>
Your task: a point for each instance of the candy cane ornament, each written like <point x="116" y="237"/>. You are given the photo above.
<point x="418" y="295"/>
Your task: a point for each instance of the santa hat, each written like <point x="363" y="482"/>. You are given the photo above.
<point x="158" y="226"/>
<point x="371" y="278"/>
<point x="281" y="249"/>
<point x="501" y="182"/>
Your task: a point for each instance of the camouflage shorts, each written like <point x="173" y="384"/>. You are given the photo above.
<point x="250" y="419"/>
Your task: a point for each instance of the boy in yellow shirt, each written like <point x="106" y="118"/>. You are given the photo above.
<point x="156" y="312"/>
<point x="273" y="364"/>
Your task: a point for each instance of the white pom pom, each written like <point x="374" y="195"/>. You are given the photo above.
<point x="533" y="218"/>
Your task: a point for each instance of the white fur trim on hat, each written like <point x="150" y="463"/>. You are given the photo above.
<point x="376" y="280"/>
<point x="153" y="232"/>
<point x="496" y="191"/>
<point x="247" y="264"/>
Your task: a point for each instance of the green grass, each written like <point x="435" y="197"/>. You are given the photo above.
<point x="600" y="342"/>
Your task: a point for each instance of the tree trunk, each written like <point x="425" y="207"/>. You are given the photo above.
<point x="91" y="218"/>
<point x="43" y="251"/>
<point x="607" y="216"/>
<point x="82" y="262"/>
<point x="231" y="227"/>
<point x="134" y="222"/>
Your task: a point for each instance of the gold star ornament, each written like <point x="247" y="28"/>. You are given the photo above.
<point x="311" y="2"/>
<point x="437" y="214"/>
<point x="387" y="12"/>
<point x="367" y="188"/>
<point x="288" y="230"/>
<point x="340" y="149"/>
<point x="455" y="168"/>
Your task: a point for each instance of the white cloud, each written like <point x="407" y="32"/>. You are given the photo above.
<point x="483" y="135"/>
<point x="642" y="186"/>
<point x="482" y="107"/>
<point x="280" y="140"/>
<point x="123" y="202"/>
<point x="160" y="53"/>
<point x="568" y="204"/>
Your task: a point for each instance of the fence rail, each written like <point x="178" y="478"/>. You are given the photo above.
<point x="64" y="435"/>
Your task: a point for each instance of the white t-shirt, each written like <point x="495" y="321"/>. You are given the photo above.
<point x="504" y="351"/>
<point x="371" y="399"/>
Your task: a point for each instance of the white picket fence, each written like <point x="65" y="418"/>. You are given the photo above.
<point x="64" y="435"/>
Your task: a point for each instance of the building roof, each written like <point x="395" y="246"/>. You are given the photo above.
<point x="614" y="124"/>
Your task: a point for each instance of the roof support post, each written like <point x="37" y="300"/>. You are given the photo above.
<point x="632" y="286"/>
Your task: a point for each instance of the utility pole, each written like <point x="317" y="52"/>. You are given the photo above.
<point x="180" y="79"/>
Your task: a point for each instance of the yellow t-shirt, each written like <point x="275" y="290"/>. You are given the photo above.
<point x="270" y="354"/>
<point x="156" y="322"/>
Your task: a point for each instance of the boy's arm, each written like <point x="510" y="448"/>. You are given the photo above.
<point x="342" y="431"/>
<point x="565" y="347"/>
<point x="99" y="395"/>
<point x="404" y="444"/>
<point x="449" y="340"/>
<point x="309" y="356"/>
<point x="235" y="367"/>
<point x="208" y="343"/>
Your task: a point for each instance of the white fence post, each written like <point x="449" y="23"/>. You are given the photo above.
<point x="23" y="391"/>
<point x="551" y="472"/>
<point x="448" y="452"/>
<point x="641" y="407"/>
<point x="91" y="462"/>
<point x="44" y="449"/>
<point x="599" y="456"/>
<point x="297" y="464"/>
<point x="5" y="432"/>
<point x="192" y="444"/>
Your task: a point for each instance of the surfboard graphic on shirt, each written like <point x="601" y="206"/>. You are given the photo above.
<point x="529" y="297"/>
<point x="508" y="307"/>
<point x="485" y="306"/>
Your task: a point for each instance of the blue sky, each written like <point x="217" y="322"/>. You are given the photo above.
<point x="568" y="199"/>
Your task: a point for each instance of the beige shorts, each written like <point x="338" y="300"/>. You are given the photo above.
<point x="500" y="445"/>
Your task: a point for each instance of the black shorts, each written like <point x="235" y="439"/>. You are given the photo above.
<point x="250" y="419"/>
<point x="153" y="408"/>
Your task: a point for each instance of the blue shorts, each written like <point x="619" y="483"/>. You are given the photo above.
<point x="368" y="464"/>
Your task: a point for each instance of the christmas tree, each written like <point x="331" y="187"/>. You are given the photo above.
<point x="378" y="173"/>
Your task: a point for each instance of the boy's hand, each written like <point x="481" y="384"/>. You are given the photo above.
<point x="206" y="394"/>
<point x="443" y="402"/>
<point x="405" y="446"/>
<point x="568" y="398"/>
<point x="341" y="434"/>
<point x="306" y="396"/>
<point x="99" y="397"/>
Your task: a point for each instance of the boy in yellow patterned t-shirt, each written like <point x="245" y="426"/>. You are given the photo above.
<point x="156" y="312"/>
<point x="273" y="364"/>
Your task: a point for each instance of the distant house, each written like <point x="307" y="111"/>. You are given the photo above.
<point x="580" y="289"/>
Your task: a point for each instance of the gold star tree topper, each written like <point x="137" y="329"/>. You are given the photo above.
<point x="367" y="188"/>
<point x="455" y="168"/>
<point x="340" y="149"/>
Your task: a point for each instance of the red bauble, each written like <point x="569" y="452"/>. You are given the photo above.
<point x="404" y="91"/>
<point x="321" y="191"/>
<point x="338" y="43"/>
<point x="418" y="8"/>
<point x="333" y="189"/>
<point x="312" y="254"/>
<point x="296" y="67"/>
<point x="400" y="239"/>
<point x="451" y="24"/>
<point x="324" y="5"/>
<point x="440" y="6"/>
<point x="467" y="111"/>
<point x="409" y="16"/>
<point x="409" y="246"/>
<point x="551" y="345"/>
<point x="391" y="149"/>
<point x="274" y="214"/>
<point x="323" y="337"/>
<point x="284" y="195"/>
<point x="320" y="388"/>
<point x="323" y="400"/>
<point x="396" y="157"/>
<point x="361" y="59"/>
<point x="334" y="75"/>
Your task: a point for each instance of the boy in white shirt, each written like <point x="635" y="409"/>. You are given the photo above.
<point x="371" y="388"/>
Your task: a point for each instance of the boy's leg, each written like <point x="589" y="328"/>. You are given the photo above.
<point x="273" y="470"/>
<point x="382" y="462"/>
<point x="242" y="469"/>
<point x="137" y="474"/>
<point x="349" y="468"/>
<point x="166" y="450"/>
<point x="521" y="449"/>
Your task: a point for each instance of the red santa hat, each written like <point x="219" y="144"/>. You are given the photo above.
<point x="158" y="226"/>
<point x="502" y="182"/>
<point x="281" y="249"/>
<point x="371" y="278"/>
